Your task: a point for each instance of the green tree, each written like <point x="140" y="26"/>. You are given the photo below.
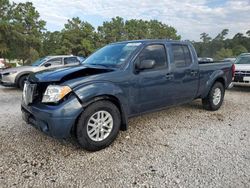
<point x="112" y="31"/>
<point x="222" y="35"/>
<point x="4" y="26"/>
<point x="32" y="56"/>
<point x="52" y="42"/>
<point x="248" y="33"/>
<point x="136" y="29"/>
<point x="118" y="30"/>
<point x="237" y="50"/>
<point x="223" y="53"/>
<point x="205" y="37"/>
<point x="78" y="38"/>
<point x="26" y="31"/>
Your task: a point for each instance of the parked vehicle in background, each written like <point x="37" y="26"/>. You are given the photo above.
<point x="3" y="64"/>
<point x="231" y="59"/>
<point x="119" y="81"/>
<point x="205" y="59"/>
<point x="15" y="77"/>
<point x="242" y="70"/>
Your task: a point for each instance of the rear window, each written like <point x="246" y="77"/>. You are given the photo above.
<point x="182" y="56"/>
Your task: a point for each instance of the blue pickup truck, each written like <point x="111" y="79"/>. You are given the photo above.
<point x="94" y="101"/>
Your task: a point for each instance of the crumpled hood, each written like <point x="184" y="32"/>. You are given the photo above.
<point x="16" y="69"/>
<point x="65" y="73"/>
<point x="242" y="67"/>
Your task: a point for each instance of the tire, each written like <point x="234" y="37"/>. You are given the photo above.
<point x="21" y="81"/>
<point x="88" y="138"/>
<point x="213" y="102"/>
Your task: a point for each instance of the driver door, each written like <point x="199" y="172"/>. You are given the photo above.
<point x="153" y="85"/>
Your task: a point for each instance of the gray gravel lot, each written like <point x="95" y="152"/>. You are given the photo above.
<point x="184" y="146"/>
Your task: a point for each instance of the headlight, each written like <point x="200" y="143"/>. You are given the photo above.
<point x="55" y="93"/>
<point x="8" y="73"/>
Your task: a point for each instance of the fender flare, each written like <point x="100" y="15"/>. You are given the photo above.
<point x="21" y="74"/>
<point x="92" y="92"/>
<point x="218" y="75"/>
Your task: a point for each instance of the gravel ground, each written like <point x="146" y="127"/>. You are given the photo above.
<point x="184" y="146"/>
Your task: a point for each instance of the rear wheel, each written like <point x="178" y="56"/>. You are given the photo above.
<point x="21" y="81"/>
<point x="98" y="125"/>
<point x="215" y="97"/>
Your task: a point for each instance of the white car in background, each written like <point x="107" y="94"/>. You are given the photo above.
<point x="242" y="70"/>
<point x="16" y="77"/>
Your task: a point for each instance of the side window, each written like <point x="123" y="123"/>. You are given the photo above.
<point x="70" y="60"/>
<point x="182" y="56"/>
<point x="154" y="52"/>
<point x="55" y="61"/>
<point x="187" y="55"/>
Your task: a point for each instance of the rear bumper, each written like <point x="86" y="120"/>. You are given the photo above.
<point x="55" y="121"/>
<point x="7" y="84"/>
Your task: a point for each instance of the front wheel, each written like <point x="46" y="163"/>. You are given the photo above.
<point x="21" y="81"/>
<point x="98" y="125"/>
<point x="215" y="97"/>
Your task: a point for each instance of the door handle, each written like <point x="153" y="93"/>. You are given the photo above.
<point x="193" y="72"/>
<point x="169" y="76"/>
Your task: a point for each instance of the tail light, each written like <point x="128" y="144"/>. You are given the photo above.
<point x="233" y="70"/>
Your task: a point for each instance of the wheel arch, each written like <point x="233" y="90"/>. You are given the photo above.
<point x="217" y="76"/>
<point x="116" y="102"/>
<point x="20" y="75"/>
<point x="221" y="80"/>
<point x="104" y="90"/>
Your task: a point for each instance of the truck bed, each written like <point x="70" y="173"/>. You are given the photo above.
<point x="208" y="70"/>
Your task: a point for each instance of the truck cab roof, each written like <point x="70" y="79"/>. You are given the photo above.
<point x="145" y="41"/>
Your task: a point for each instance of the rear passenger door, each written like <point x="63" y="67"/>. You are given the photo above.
<point x="186" y="73"/>
<point x="54" y="62"/>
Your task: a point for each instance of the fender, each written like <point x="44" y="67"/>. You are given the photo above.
<point x="216" y="75"/>
<point x="21" y="74"/>
<point x="92" y="92"/>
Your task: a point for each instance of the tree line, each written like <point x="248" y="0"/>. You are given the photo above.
<point x="23" y="35"/>
<point x="221" y="47"/>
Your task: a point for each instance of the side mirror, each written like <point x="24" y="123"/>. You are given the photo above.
<point x="47" y="64"/>
<point x="146" y="64"/>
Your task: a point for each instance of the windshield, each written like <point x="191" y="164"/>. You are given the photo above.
<point x="39" y="61"/>
<point x="243" y="60"/>
<point x="113" y="55"/>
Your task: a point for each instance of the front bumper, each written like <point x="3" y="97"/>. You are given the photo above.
<point x="241" y="80"/>
<point x="55" y="121"/>
<point x="7" y="80"/>
<point x="7" y="84"/>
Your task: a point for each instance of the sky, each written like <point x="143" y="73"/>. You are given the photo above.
<point x="189" y="17"/>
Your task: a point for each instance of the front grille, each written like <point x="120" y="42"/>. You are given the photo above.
<point x="29" y="92"/>
<point x="40" y="90"/>
<point x="242" y="73"/>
